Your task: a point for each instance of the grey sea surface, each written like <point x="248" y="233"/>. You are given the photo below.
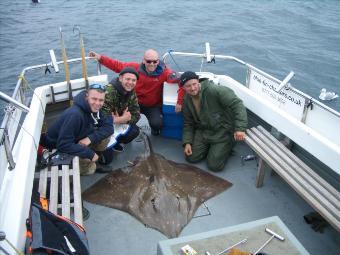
<point x="275" y="36"/>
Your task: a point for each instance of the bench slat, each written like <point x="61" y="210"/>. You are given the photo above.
<point x="65" y="198"/>
<point x="318" y="200"/>
<point x="43" y="182"/>
<point x="307" y="181"/>
<point x="286" y="169"/>
<point x="303" y="165"/>
<point x="37" y="175"/>
<point x="53" y="206"/>
<point x="78" y="212"/>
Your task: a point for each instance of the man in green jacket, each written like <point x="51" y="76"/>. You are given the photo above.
<point x="214" y="118"/>
<point x="122" y="104"/>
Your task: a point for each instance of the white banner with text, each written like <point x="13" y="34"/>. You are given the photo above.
<point x="286" y="99"/>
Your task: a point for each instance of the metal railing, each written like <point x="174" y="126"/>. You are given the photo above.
<point x="315" y="115"/>
<point x="284" y="84"/>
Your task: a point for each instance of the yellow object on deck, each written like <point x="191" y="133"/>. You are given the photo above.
<point x="235" y="251"/>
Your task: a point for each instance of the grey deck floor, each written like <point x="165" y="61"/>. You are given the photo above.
<point x="112" y="231"/>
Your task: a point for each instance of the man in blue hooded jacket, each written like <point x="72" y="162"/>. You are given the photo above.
<point x="82" y="130"/>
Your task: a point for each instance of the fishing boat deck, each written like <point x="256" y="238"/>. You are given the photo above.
<point x="113" y="230"/>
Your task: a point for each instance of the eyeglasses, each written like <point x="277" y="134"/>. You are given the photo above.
<point x="151" y="61"/>
<point x="98" y="86"/>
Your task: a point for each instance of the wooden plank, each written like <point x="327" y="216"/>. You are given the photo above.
<point x="78" y="209"/>
<point x="52" y="175"/>
<point x="65" y="198"/>
<point x="54" y="190"/>
<point x="43" y="182"/>
<point x="299" y="175"/>
<point x="323" y="198"/>
<point x="257" y="144"/>
<point x="306" y="180"/>
<point x="303" y="165"/>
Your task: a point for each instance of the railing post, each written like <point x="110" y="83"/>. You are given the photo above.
<point x="8" y="150"/>
<point x="99" y="68"/>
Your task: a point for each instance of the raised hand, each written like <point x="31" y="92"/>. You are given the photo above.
<point x="95" y="55"/>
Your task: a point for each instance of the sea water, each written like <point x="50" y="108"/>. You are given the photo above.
<point x="275" y="36"/>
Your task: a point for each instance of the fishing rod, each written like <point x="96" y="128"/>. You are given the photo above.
<point x="66" y="67"/>
<point x="83" y="60"/>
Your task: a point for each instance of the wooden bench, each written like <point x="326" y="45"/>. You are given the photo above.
<point x="317" y="192"/>
<point x="69" y="177"/>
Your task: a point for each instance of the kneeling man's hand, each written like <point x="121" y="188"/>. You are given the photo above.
<point x="178" y="108"/>
<point x="239" y="135"/>
<point x="187" y="149"/>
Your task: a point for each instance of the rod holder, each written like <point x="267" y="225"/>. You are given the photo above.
<point x="207" y="52"/>
<point x="54" y="61"/>
<point x="285" y="81"/>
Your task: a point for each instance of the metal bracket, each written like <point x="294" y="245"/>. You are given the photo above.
<point x="310" y="104"/>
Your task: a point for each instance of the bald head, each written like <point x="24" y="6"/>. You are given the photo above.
<point x="150" y="60"/>
<point x="151" y="54"/>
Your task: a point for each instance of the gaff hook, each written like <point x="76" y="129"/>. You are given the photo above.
<point x="83" y="58"/>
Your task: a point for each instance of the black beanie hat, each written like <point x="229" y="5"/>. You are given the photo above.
<point x="186" y="76"/>
<point x="129" y="70"/>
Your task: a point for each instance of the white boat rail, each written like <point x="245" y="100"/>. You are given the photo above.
<point x="209" y="57"/>
<point x="313" y="118"/>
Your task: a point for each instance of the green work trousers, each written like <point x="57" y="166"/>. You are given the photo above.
<point x="216" y="153"/>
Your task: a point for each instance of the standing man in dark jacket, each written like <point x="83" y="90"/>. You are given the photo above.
<point x="214" y="117"/>
<point x="121" y="102"/>
<point x="82" y="130"/>
<point x="149" y="89"/>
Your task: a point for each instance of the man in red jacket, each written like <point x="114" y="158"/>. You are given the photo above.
<point x="149" y="89"/>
